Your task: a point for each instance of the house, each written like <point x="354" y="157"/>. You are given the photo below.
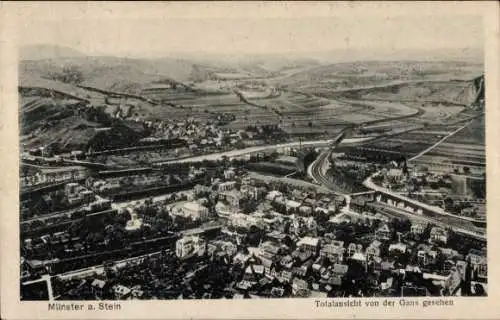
<point x="134" y="223"/>
<point x="189" y="246"/>
<point x="438" y="235"/>
<point x="387" y="265"/>
<point x="277" y="292"/>
<point x="302" y="256"/>
<point x="226" y="186"/>
<point x="397" y="248"/>
<point x="270" y="248"/>
<point x="353" y="248"/>
<point x="62" y="173"/>
<point x="299" y="286"/>
<point x="333" y="251"/>
<point x="273" y="195"/>
<point x="339" y="269"/>
<point x="229" y="174"/>
<point x="373" y="250"/>
<point x="193" y="210"/>
<point x="287" y="261"/>
<point x="449" y="253"/>
<point x="121" y="292"/>
<point x="305" y="210"/>
<point x="383" y="233"/>
<point x="478" y="262"/>
<point x="97" y="286"/>
<point x="308" y="244"/>
<point x="292" y="206"/>
<point x="251" y="192"/>
<point x="285" y="276"/>
<point x="240" y="258"/>
<point x="395" y="174"/>
<point x="360" y="258"/>
<point x="426" y="256"/>
<point x="244" y="285"/>
<point x="233" y="198"/>
<point x="417" y="228"/>
<point x="339" y="201"/>
<point x="331" y="282"/>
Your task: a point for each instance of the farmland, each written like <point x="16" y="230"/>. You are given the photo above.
<point x="466" y="147"/>
<point x="302" y="98"/>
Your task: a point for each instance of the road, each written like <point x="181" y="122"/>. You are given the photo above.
<point x="317" y="171"/>
<point x="422" y="218"/>
<point x="371" y="185"/>
<point x="124" y="204"/>
<point x="439" y="142"/>
<point x="250" y="150"/>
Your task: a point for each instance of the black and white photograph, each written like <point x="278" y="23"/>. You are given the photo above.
<point x="330" y="158"/>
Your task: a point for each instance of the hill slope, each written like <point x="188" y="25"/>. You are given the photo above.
<point x="47" y="51"/>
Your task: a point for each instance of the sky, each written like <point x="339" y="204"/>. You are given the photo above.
<point x="143" y="35"/>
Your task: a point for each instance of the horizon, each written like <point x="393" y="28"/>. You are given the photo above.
<point x="330" y="56"/>
<point x="140" y="38"/>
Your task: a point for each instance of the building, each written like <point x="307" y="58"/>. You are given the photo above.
<point x="438" y="235"/>
<point x="395" y="174"/>
<point x="190" y="246"/>
<point x="134" y="223"/>
<point x="71" y="188"/>
<point x="97" y="286"/>
<point x="233" y="198"/>
<point x="271" y="195"/>
<point x="426" y="256"/>
<point x="333" y="251"/>
<point x="51" y="175"/>
<point x="339" y="269"/>
<point x="226" y="186"/>
<point x="195" y="211"/>
<point x="373" y="250"/>
<point x="397" y="248"/>
<point x="121" y="292"/>
<point x="229" y="174"/>
<point x="353" y="248"/>
<point x="292" y="206"/>
<point x="299" y="287"/>
<point x="417" y="229"/>
<point x="479" y="262"/>
<point x="251" y="192"/>
<point x="308" y="244"/>
<point x="383" y="233"/>
<point x="305" y="210"/>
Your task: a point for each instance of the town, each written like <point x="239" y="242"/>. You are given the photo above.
<point x="227" y="228"/>
<point x="344" y="174"/>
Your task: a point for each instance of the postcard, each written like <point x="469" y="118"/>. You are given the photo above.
<point x="249" y="160"/>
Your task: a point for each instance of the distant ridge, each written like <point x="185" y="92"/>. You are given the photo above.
<point x="47" y="51"/>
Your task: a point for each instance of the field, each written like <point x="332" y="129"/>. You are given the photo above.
<point x="355" y="75"/>
<point x="407" y="144"/>
<point x="302" y="97"/>
<point x="467" y="146"/>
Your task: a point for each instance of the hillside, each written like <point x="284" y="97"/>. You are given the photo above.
<point x="360" y="74"/>
<point x="47" y="51"/>
<point x="457" y="92"/>
<point x="66" y="125"/>
<point x="110" y="73"/>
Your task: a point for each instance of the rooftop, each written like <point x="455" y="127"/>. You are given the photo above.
<point x="308" y="241"/>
